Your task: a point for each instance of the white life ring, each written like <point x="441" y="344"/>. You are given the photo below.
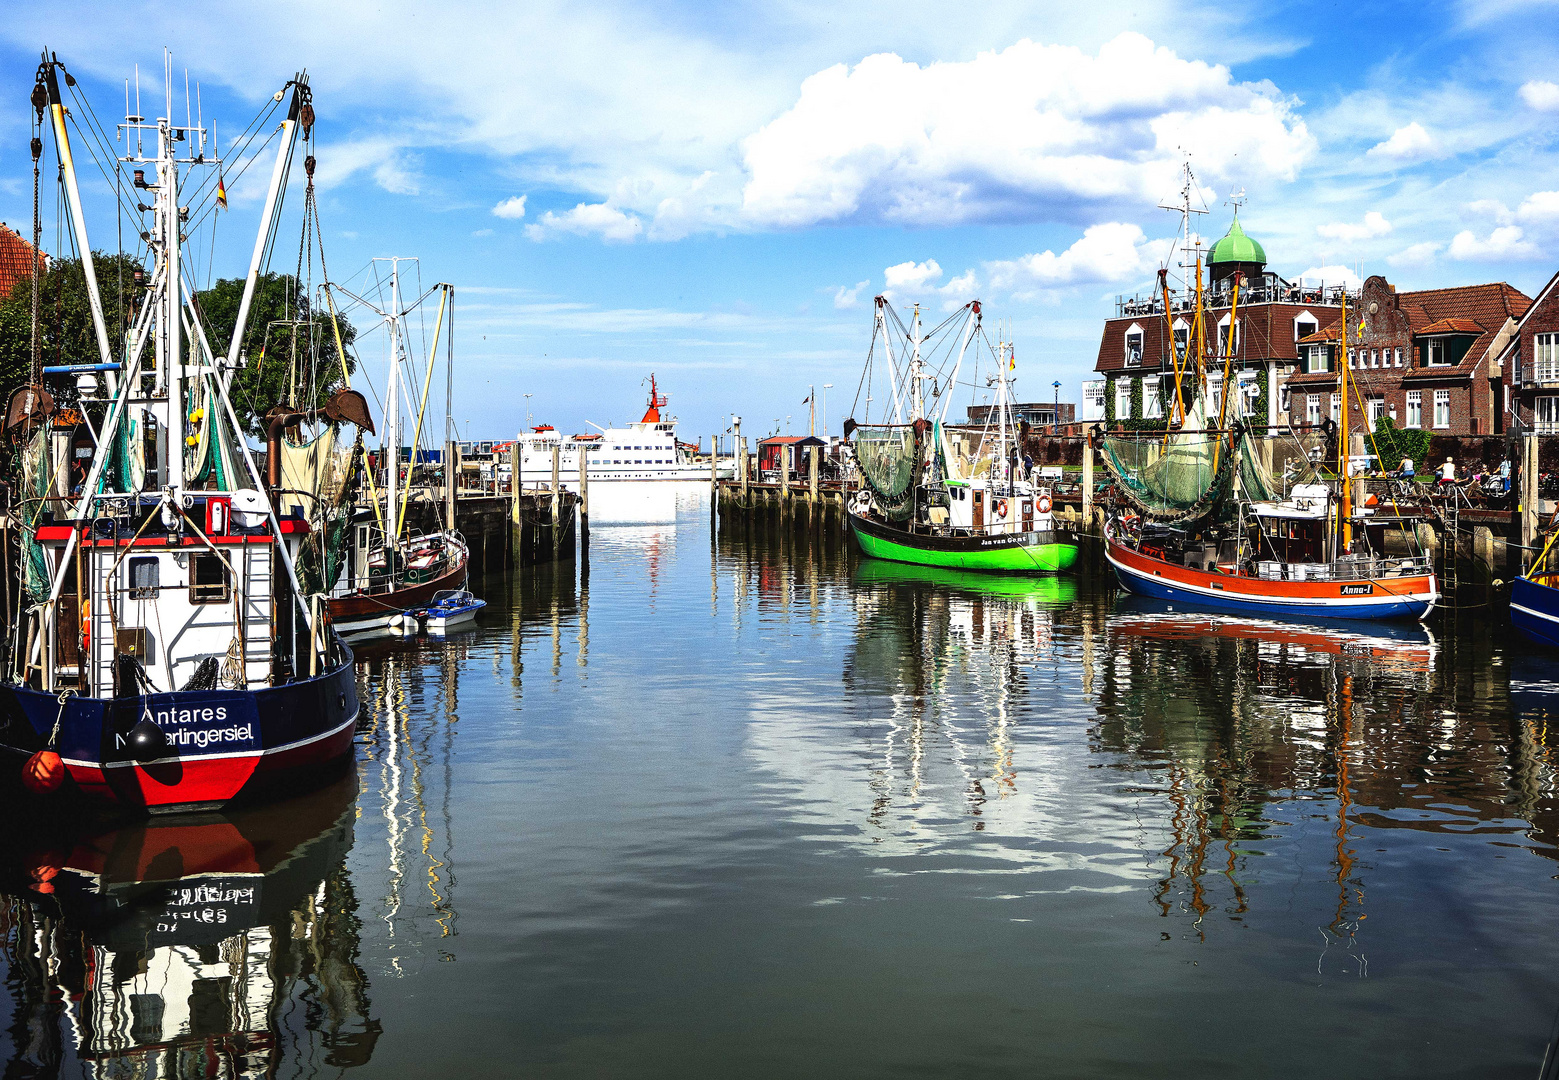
<point x="1001" y="508"/>
<point x="1043" y="504"/>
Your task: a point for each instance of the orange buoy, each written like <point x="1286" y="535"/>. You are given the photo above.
<point x="43" y="772"/>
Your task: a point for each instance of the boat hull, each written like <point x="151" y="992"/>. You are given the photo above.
<point x="1381" y="598"/>
<point x="1023" y="553"/>
<point x="366" y="613"/>
<point x="1534" y="611"/>
<point x="224" y="745"/>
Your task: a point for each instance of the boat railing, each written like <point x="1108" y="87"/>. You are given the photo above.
<point x="1353" y="569"/>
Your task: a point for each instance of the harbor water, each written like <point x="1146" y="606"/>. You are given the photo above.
<point x="733" y="806"/>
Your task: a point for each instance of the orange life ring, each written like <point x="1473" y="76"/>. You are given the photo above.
<point x="1001" y="508"/>
<point x="1042" y="504"/>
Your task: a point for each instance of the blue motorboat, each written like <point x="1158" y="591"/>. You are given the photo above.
<point x="450" y="608"/>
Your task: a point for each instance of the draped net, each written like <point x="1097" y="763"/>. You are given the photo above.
<point x="887" y="458"/>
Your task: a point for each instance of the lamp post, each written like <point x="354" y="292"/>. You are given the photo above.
<point x="1057" y="419"/>
<point x="825" y="409"/>
<point x="527" y="411"/>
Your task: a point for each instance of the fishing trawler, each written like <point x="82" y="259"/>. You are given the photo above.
<point x="936" y="495"/>
<point x="390" y="569"/>
<point x="1201" y="521"/>
<point x="644" y="451"/>
<point x="162" y="654"/>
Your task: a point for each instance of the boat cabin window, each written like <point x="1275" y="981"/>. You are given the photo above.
<point x="208" y="579"/>
<point x="144" y="577"/>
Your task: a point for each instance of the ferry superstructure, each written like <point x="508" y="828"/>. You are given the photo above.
<point x="644" y="451"/>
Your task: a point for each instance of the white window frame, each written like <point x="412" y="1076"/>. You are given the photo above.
<point x="1545" y="414"/>
<point x="1182" y="343"/>
<point x="1223" y="337"/>
<point x="1397" y="357"/>
<point x="1094" y="391"/>
<point x="1315" y="362"/>
<point x="1152" y="398"/>
<point x="1312" y="409"/>
<point x="1415" y="409"/>
<point x="1374" y="358"/>
<point x="1305" y="324"/>
<point x="1442" y="398"/>
<point x="1437" y="349"/>
<point x="1134" y="359"/>
<point x="1123" y="399"/>
<point x="1545" y="357"/>
<point x="1336" y="407"/>
<point x="1376" y="404"/>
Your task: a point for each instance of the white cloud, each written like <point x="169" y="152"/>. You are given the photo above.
<point x="1373" y="225"/>
<point x="589" y="219"/>
<point x="1027" y="133"/>
<point x="1541" y="95"/>
<point x="1504" y="242"/>
<point x="1539" y="207"/>
<point x="1111" y="252"/>
<point x="512" y="208"/>
<point x="1331" y="275"/>
<point x="1406" y="146"/>
<point x="847" y="297"/>
<point x="1414" y="256"/>
<point x="482" y="232"/>
<point x="910" y="277"/>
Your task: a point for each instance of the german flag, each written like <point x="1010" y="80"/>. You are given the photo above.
<point x="221" y="193"/>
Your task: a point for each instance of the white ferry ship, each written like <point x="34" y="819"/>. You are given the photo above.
<point x="647" y="450"/>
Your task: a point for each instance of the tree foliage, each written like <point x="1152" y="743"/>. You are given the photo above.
<point x="290" y="348"/>
<point x="65" y="318"/>
<point x="1396" y="443"/>
<point x="287" y="363"/>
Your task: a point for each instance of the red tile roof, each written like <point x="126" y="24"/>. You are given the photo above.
<point x="1452" y="326"/>
<point x="16" y="259"/>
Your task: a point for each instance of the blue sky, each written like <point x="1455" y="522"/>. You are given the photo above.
<point x="714" y="193"/>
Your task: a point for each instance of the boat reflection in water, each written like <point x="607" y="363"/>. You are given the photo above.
<point x="648" y="502"/>
<point x="207" y="945"/>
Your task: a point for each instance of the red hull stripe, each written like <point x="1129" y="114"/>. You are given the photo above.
<point x="1328" y="593"/>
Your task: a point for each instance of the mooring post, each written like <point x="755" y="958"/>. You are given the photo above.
<point x="451" y="478"/>
<point x="584" y="505"/>
<point x="812" y="486"/>
<point x="1087" y="486"/>
<point x="1529" y="470"/>
<point x="557" y="470"/>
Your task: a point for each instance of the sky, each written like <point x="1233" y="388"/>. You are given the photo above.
<point x="715" y="193"/>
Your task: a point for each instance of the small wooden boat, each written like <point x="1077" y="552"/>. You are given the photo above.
<point x="423" y="568"/>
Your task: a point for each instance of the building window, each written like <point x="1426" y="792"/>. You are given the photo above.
<point x="1353" y="358"/>
<point x="1313" y="409"/>
<point x="1304" y="325"/>
<point x="1182" y="338"/>
<point x="1283" y="400"/>
<point x="1123" y="399"/>
<point x="1442" y="408"/>
<point x="1336" y="407"/>
<point x="1152" y="398"/>
<point x="1415" y="409"/>
<point x="1437" y="354"/>
<point x="1377" y="406"/>
<point x="1134" y="346"/>
<point x="1224" y="341"/>
<point x="1093" y="400"/>
<point x="1317" y="359"/>
<point x="1374" y="358"/>
<point x="1545" y="411"/>
<point x="1396" y="357"/>
<point x="1545" y="357"/>
<point x="143" y="577"/>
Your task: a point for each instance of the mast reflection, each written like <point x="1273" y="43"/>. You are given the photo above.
<point x="213" y="945"/>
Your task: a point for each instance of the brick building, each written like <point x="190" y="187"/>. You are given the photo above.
<point x="1426" y="359"/>
<point x="1033" y="413"/>
<point x="1272" y="315"/>
<point x="1530" y="363"/>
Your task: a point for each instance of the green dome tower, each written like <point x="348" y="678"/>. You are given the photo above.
<point x="1236" y="253"/>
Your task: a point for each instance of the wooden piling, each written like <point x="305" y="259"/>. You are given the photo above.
<point x="451" y="483"/>
<point x="1529" y="471"/>
<point x="1088" y="453"/>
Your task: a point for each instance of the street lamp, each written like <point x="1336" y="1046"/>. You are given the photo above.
<point x="825" y="408"/>
<point x="1057" y="419"/>
<point x="527" y="411"/>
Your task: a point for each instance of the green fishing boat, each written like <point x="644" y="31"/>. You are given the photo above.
<point x="942" y="496"/>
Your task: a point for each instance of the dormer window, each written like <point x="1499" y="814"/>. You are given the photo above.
<point x="1134" y="346"/>
<point x="1438" y="357"/>
<point x="1182" y="337"/>
<point x="1305" y="324"/>
<point x="1225" y="342"/>
<point x="1317" y="361"/>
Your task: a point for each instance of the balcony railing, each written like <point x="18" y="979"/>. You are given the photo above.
<point x="1322" y="295"/>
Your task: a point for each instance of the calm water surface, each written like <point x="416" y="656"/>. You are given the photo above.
<point x="744" y="808"/>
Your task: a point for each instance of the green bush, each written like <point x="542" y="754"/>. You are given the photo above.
<point x="1394" y="443"/>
